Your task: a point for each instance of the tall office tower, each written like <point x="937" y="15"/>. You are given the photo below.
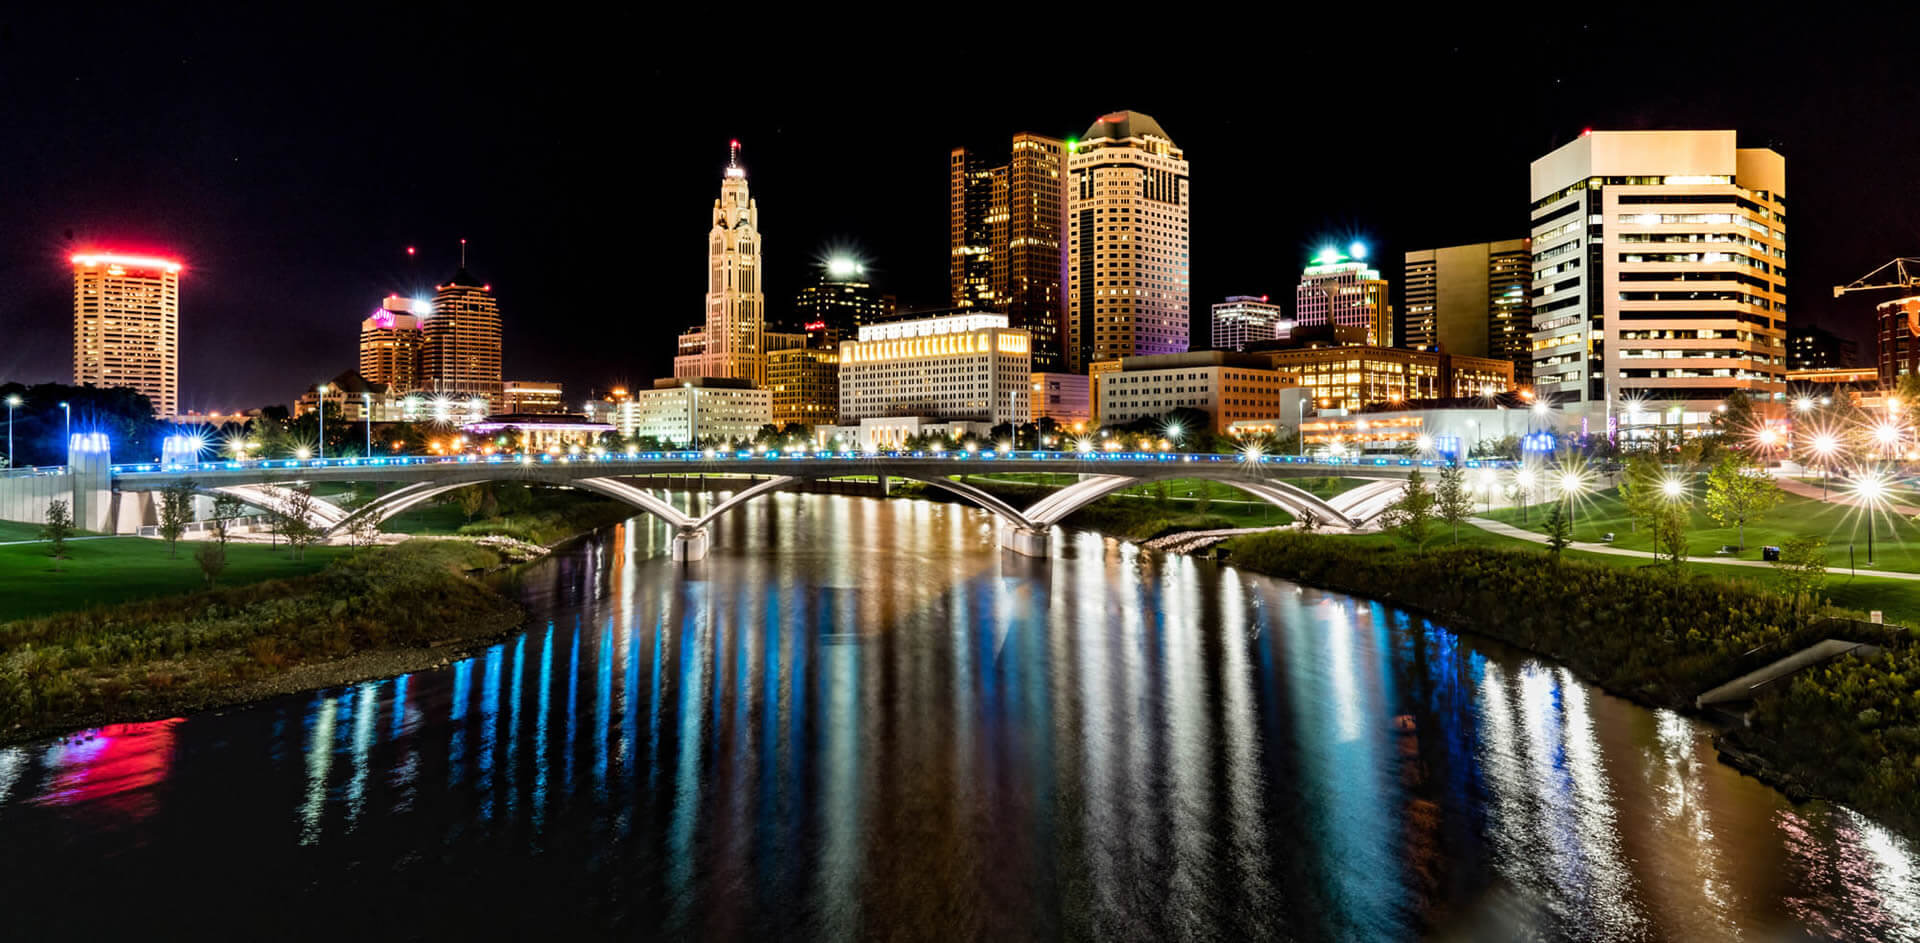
<point x="1005" y="233"/>
<point x="1243" y="319"/>
<point x="126" y="326"/>
<point x="839" y="302"/>
<point x="1348" y="294"/>
<point x="391" y="341"/>
<point x="1471" y="300"/>
<point x="461" y="353"/>
<point x="736" y="305"/>
<point x="1127" y="264"/>
<point x="1659" y="274"/>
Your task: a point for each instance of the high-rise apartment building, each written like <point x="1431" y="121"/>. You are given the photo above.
<point x="126" y="325"/>
<point x="1659" y="274"/>
<point x="1347" y="293"/>
<point x="391" y="342"/>
<point x="839" y="302"/>
<point x="805" y="383"/>
<point x="1127" y="258"/>
<point x="1245" y="319"/>
<point x="1471" y="300"/>
<point x="734" y="344"/>
<point x="461" y="353"/>
<point x="1899" y="338"/>
<point x="1006" y="221"/>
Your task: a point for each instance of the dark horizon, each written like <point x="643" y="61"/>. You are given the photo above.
<point x="290" y="164"/>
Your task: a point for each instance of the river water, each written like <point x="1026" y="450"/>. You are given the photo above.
<point x="859" y="719"/>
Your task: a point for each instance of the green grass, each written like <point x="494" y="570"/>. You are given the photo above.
<point x="1896" y="538"/>
<point x="14" y="530"/>
<point x="427" y="519"/>
<point x="123" y="569"/>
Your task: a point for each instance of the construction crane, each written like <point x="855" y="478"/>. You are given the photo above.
<point x="1905" y="274"/>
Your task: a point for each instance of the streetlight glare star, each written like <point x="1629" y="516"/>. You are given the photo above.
<point x="1672" y="487"/>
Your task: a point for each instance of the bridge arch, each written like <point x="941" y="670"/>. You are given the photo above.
<point x="396" y="502"/>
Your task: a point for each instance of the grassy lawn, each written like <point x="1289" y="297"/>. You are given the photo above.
<point x="1899" y="599"/>
<point x="14" y="530"/>
<point x="427" y="519"/>
<point x="1896" y="538"/>
<point x="120" y="569"/>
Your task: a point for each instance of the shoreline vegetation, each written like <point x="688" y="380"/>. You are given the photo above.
<point x="1848" y="730"/>
<point x="373" y="613"/>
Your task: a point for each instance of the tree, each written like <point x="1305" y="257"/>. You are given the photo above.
<point x="1160" y="499"/>
<point x="226" y="510"/>
<point x="1802" y="565"/>
<point x="1908" y="388"/>
<point x="1309" y="521"/>
<point x="1738" y="492"/>
<point x="472" y="499"/>
<point x="1411" y="514"/>
<point x="212" y="557"/>
<point x="1559" y="530"/>
<point x="1734" y="414"/>
<point x="1668" y="525"/>
<point x="1640" y="488"/>
<point x="58" y="528"/>
<point x="296" y="520"/>
<point x="1454" y="501"/>
<point x="176" y="510"/>
<point x="1204" y="503"/>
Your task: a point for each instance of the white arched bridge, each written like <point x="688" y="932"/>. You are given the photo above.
<point x="1024" y="530"/>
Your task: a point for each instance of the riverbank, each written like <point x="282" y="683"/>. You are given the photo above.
<point x="372" y="613"/>
<point x="1849" y="730"/>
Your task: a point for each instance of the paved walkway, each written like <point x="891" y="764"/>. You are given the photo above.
<point x="16" y="543"/>
<point x="1508" y="530"/>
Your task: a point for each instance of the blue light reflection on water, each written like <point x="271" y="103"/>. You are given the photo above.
<point x="919" y="736"/>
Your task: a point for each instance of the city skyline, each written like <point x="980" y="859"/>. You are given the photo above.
<point x="270" y="305"/>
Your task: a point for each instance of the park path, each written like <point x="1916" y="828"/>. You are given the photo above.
<point x="1508" y="530"/>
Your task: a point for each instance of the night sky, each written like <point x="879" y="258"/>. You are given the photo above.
<point x="289" y="158"/>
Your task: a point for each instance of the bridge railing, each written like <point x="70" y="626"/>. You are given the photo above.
<point x="722" y="457"/>
<point x="34" y="471"/>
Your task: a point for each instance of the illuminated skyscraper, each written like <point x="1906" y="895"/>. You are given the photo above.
<point x="1348" y="294"/>
<point x="126" y="325"/>
<point x="1659" y="276"/>
<point x="734" y="345"/>
<point x="1127" y="263"/>
<point x="461" y="354"/>
<point x="1246" y="319"/>
<point x="391" y="341"/>
<point x="1471" y="300"/>
<point x="840" y="302"/>
<point x="1006" y="238"/>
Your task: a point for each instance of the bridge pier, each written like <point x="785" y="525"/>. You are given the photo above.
<point x="690" y="544"/>
<point x="1025" y="541"/>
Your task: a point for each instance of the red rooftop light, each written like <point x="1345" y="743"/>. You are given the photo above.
<point x="91" y="259"/>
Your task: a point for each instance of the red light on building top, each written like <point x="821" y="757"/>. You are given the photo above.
<point x="94" y="259"/>
<point x="1263" y="298"/>
<point x="1585" y="131"/>
<point x="409" y="250"/>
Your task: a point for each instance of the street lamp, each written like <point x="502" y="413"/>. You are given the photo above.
<point x="1870" y="490"/>
<point x="13" y="399"/>
<point x="322" y="390"/>
<point x="69" y="416"/>
<point x="693" y="416"/>
<point x="1824" y="445"/>
<point x="1524" y="478"/>
<point x="1570" y="485"/>
<point x="1300" y="426"/>
<point x="366" y="408"/>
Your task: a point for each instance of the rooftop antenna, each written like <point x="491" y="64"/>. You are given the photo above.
<point x="463" y="253"/>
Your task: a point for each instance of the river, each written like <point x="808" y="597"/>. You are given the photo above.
<point x="858" y="718"/>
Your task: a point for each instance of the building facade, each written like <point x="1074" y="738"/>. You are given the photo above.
<point x="1246" y="319"/>
<point x="731" y="344"/>
<point x="1347" y="294"/>
<point x="969" y="367"/>
<point x="532" y="397"/>
<point x="1471" y="300"/>
<point x="1659" y="273"/>
<point x="1127" y="257"/>
<point x="1447" y="431"/>
<point x="1007" y="219"/>
<point x="839" y="303"/>
<point x="805" y="383"/>
<point x="1898" y="350"/>
<point x="460" y="350"/>
<point x="126" y="325"/>
<point x="1228" y="387"/>
<point x="685" y="413"/>
<point x="1065" y="398"/>
<point x="392" y="342"/>
<point x="1352" y="377"/>
<point x="1816" y="348"/>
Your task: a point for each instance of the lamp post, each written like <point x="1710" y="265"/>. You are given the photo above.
<point x="1570" y="486"/>
<point x="13" y="399"/>
<point x="1871" y="488"/>
<point x="1300" y="425"/>
<point x="1524" y="479"/>
<point x="693" y="416"/>
<point x="68" y="410"/>
<point x="366" y="409"/>
<point x="1823" y="446"/>
<point x="322" y="390"/>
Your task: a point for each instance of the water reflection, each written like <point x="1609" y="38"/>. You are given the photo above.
<point x="881" y="726"/>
